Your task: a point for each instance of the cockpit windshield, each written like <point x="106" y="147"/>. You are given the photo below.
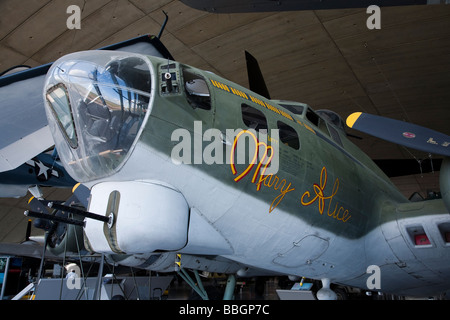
<point x="59" y="100"/>
<point x="99" y="101"/>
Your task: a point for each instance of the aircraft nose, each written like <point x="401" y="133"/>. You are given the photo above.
<point x="96" y="103"/>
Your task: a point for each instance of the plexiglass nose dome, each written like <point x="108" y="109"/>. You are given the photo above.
<point x="96" y="103"/>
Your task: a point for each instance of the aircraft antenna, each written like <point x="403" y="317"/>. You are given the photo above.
<point x="164" y="25"/>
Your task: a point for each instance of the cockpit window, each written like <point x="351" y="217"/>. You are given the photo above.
<point x="315" y="119"/>
<point x="58" y="99"/>
<point x="332" y="117"/>
<point x="296" y="109"/>
<point x="101" y="100"/>
<point x="113" y="107"/>
<point x="197" y="91"/>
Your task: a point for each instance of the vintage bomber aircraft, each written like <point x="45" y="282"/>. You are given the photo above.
<point x="158" y="143"/>
<point x="157" y="148"/>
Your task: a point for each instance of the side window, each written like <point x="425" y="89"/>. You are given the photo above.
<point x="197" y="91"/>
<point x="253" y="118"/>
<point x="293" y="108"/>
<point x="288" y="135"/>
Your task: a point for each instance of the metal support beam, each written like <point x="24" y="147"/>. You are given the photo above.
<point x="98" y="288"/>
<point x="5" y="278"/>
<point x="196" y="287"/>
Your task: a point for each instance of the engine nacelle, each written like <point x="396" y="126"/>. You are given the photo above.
<point x="145" y="217"/>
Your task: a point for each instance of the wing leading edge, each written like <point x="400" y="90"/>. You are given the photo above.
<point x="238" y="6"/>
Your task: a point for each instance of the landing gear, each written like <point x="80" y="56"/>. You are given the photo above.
<point x="326" y="293"/>
<point x="229" y="289"/>
<point x="208" y="293"/>
<point x="198" y="287"/>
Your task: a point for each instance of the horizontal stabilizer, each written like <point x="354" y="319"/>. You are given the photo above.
<point x="401" y="132"/>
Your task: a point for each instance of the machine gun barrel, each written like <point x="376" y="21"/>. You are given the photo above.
<point x="73" y="210"/>
<point x="54" y="218"/>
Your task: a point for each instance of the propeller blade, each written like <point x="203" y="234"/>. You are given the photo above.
<point x="82" y="194"/>
<point x="255" y="78"/>
<point x="28" y="232"/>
<point x="401" y="132"/>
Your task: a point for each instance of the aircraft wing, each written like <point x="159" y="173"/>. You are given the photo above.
<point x="401" y="132"/>
<point x="23" y="123"/>
<point x="236" y="6"/>
<point x="29" y="249"/>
